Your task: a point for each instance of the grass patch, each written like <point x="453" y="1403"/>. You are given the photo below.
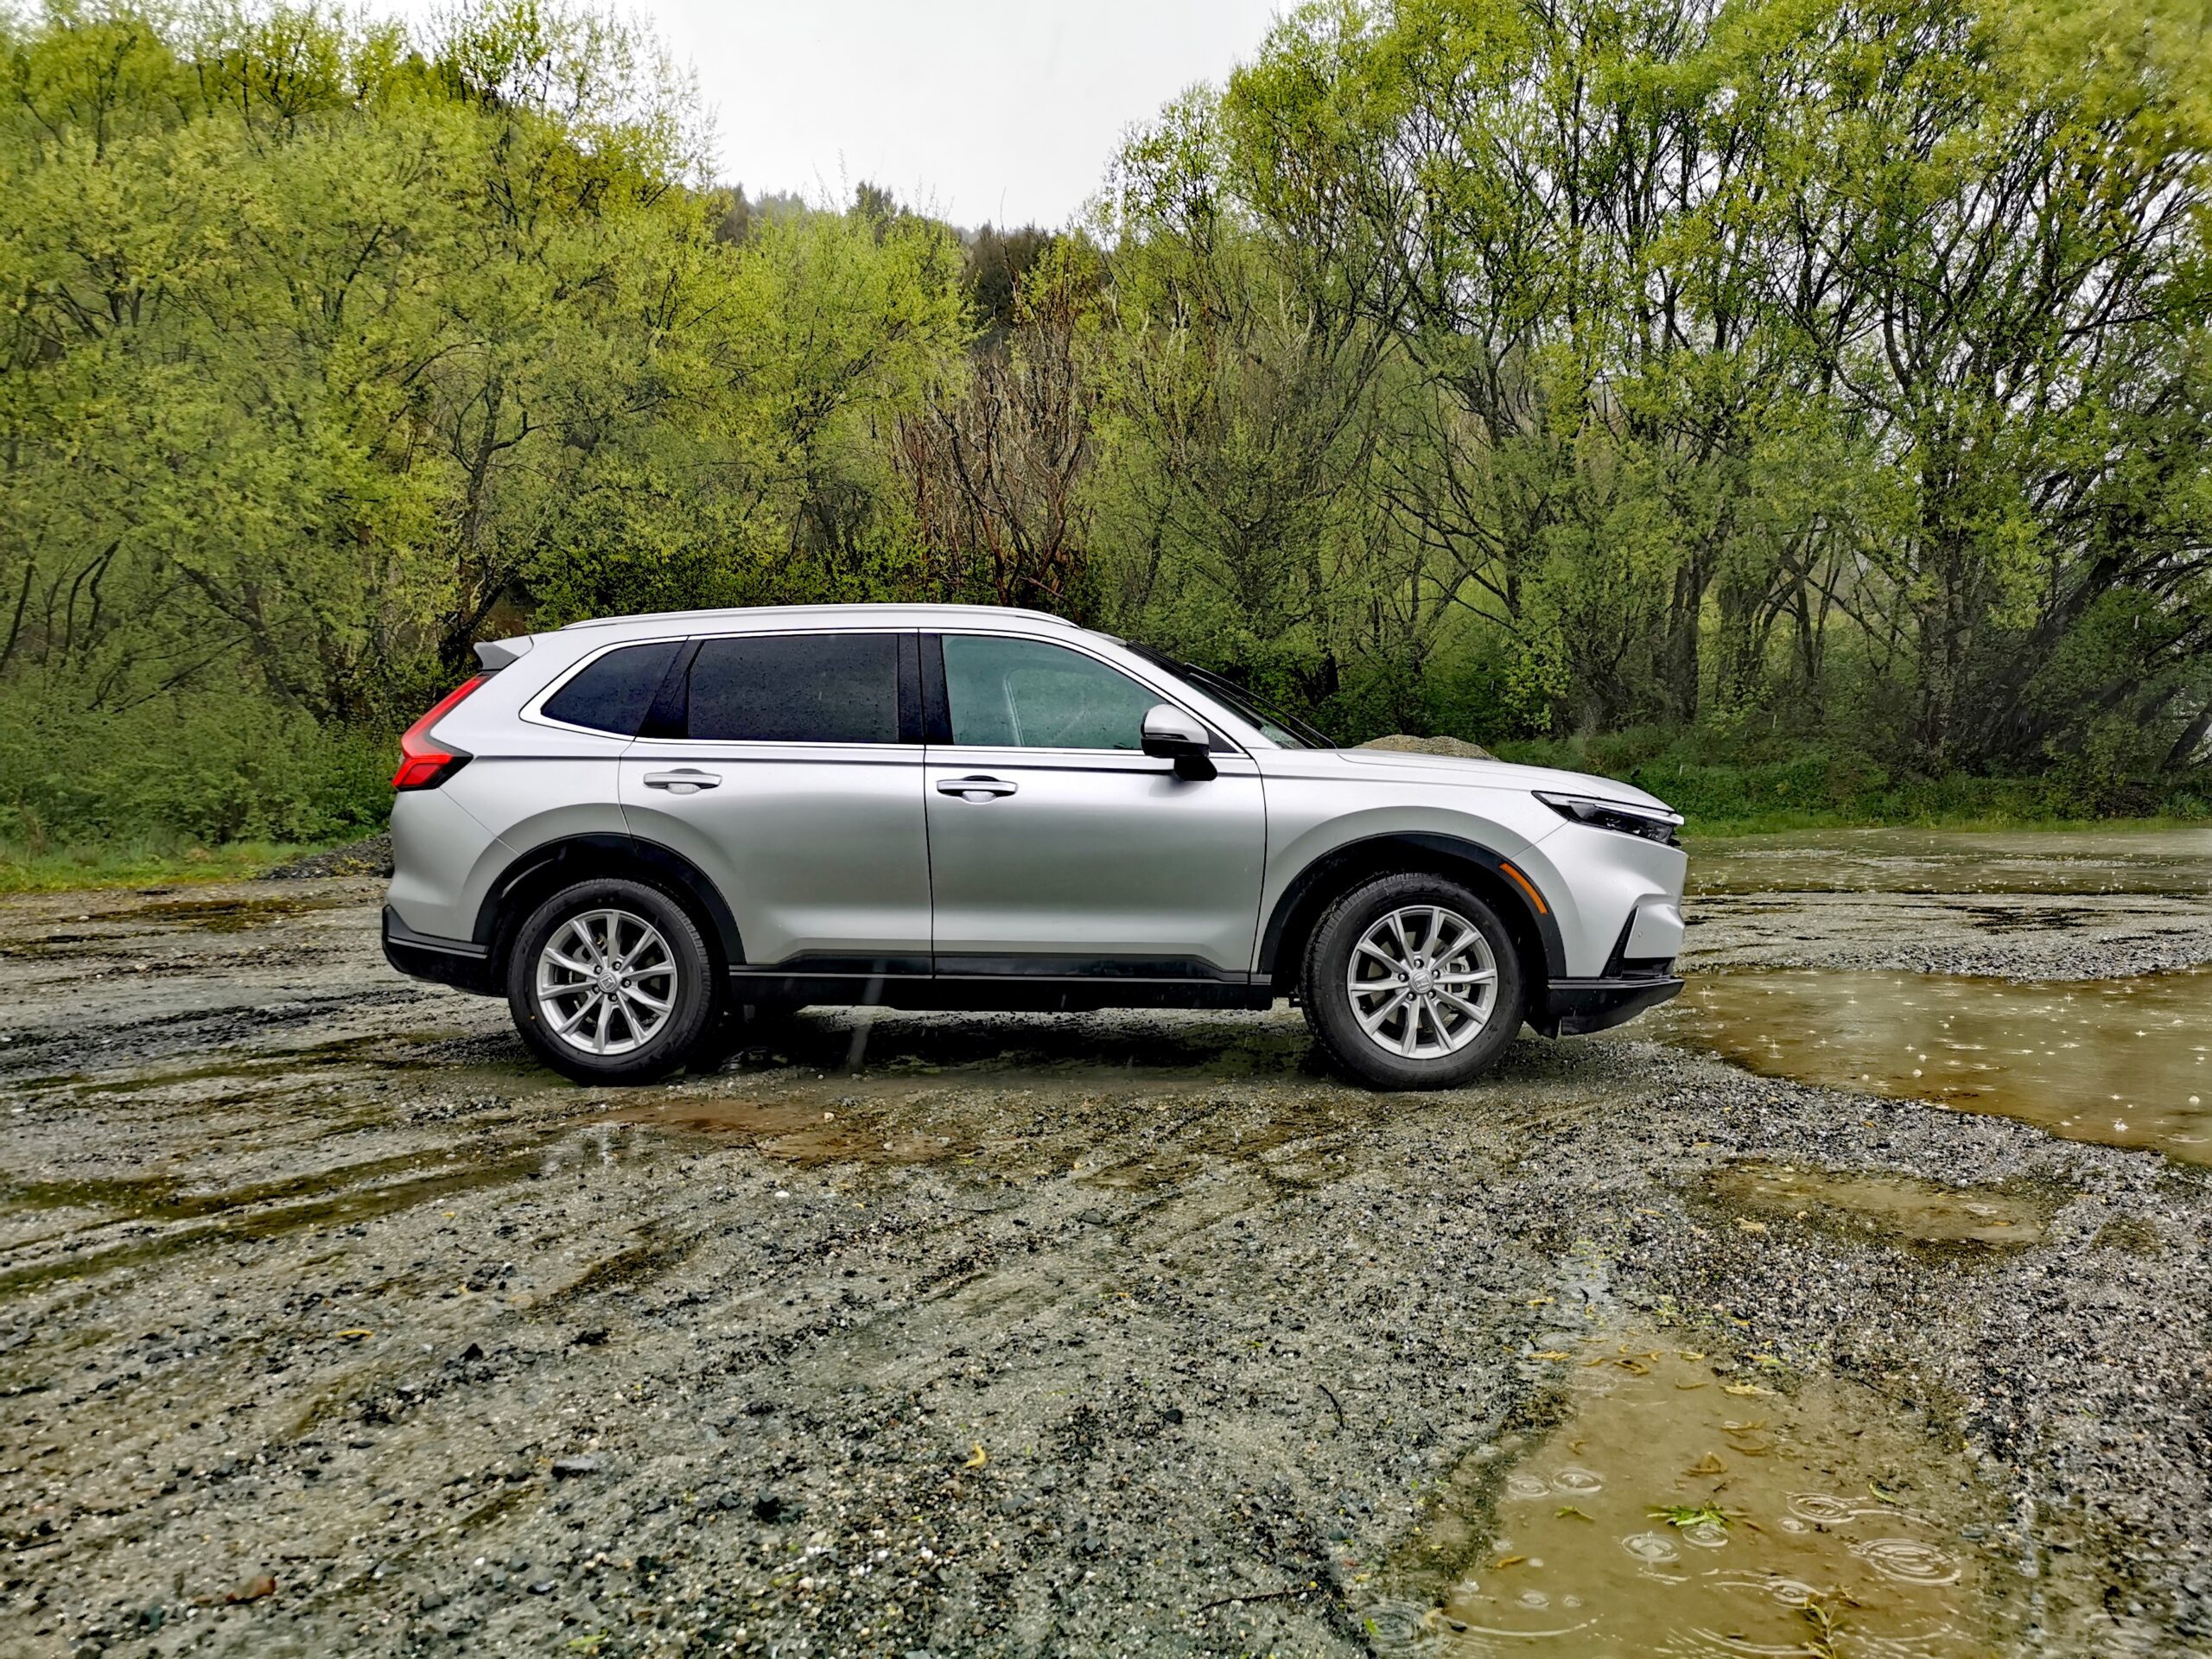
<point x="26" y="867"/>
<point x="1692" y="1514"/>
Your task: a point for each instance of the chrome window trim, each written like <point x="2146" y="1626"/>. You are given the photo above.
<point x="738" y="752"/>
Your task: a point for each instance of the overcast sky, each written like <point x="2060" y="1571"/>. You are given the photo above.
<point x="1000" y="109"/>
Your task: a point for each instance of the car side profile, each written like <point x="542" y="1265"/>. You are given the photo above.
<point x="639" y="829"/>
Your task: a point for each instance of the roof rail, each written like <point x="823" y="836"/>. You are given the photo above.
<point x="855" y="609"/>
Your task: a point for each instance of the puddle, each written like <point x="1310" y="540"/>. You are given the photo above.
<point x="1951" y="861"/>
<point x="1665" y="1515"/>
<point x="2124" y="1062"/>
<point x="1874" y="1203"/>
<point x="221" y="915"/>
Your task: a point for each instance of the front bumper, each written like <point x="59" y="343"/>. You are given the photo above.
<point x="1573" y="1005"/>
<point x="458" y="963"/>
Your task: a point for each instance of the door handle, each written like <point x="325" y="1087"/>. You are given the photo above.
<point x="688" y="780"/>
<point x="977" y="789"/>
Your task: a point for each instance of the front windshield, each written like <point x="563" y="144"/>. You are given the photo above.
<point x="1275" y="724"/>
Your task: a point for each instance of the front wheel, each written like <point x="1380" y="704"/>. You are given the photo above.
<point x="610" y="980"/>
<point x="1411" y="981"/>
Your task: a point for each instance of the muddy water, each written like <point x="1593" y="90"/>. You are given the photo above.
<point x="1686" y="1508"/>
<point x="1891" y="1208"/>
<point x="2123" y="1062"/>
<point x="2058" y="861"/>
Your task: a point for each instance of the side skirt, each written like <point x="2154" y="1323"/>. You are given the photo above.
<point x="1000" y="993"/>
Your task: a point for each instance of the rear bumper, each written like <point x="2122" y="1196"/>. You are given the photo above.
<point x="1575" y="1006"/>
<point x="458" y="963"/>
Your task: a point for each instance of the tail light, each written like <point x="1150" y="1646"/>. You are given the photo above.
<point x="425" y="764"/>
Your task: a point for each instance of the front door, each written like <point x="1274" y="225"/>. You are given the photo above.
<point x="790" y="788"/>
<point x="1057" y="846"/>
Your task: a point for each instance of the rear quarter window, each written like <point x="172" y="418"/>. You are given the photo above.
<point x="613" y="694"/>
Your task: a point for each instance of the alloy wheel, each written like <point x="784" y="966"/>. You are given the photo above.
<point x="606" y="982"/>
<point x="1422" y="982"/>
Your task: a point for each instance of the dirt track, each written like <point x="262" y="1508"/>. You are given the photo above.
<point x="327" y="1324"/>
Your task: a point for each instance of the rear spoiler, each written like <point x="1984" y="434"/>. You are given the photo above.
<point x="496" y="654"/>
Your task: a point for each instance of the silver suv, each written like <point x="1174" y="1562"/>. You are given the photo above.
<point x="641" y="830"/>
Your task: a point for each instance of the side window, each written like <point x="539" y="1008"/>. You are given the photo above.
<point x="1025" y="693"/>
<point x="796" y="688"/>
<point x="613" y="694"/>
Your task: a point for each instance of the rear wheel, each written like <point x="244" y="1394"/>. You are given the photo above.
<point x="610" y="980"/>
<point x="1411" y="981"/>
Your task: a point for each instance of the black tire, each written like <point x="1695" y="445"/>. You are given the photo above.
<point x="668" y="1045"/>
<point x="1328" y="999"/>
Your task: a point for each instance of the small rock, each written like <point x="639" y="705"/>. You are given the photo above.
<point x="474" y="1350"/>
<point x="541" y="1588"/>
<point x="593" y="1338"/>
<point x="569" y="1468"/>
<point x="260" y="1584"/>
<point x="1458" y="748"/>
<point x="1173" y="1414"/>
<point x="770" y="1507"/>
<point x="1093" y="1217"/>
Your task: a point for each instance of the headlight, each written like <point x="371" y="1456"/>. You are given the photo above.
<point x="1653" y="823"/>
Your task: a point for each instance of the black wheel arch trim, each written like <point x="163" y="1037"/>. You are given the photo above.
<point x="649" y="855"/>
<point x="1305" y="887"/>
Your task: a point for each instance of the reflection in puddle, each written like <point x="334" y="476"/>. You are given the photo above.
<point x="1871" y="1204"/>
<point x="1954" y="861"/>
<point x="1682" y="1509"/>
<point x="2124" y="1062"/>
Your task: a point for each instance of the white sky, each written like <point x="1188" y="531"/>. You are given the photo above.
<point x="1006" y="110"/>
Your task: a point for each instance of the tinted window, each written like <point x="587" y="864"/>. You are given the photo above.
<point x="1023" y="694"/>
<point x="798" y="687"/>
<point x="613" y="693"/>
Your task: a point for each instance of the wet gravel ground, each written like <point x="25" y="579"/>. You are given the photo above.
<point x="328" y="1323"/>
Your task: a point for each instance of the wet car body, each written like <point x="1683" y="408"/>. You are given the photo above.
<point x="912" y="862"/>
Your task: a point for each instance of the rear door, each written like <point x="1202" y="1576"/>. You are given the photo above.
<point x="788" y="767"/>
<point x="1057" y="846"/>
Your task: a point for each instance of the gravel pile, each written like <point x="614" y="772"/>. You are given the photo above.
<point x="372" y="856"/>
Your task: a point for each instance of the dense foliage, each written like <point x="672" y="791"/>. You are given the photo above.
<point x="1818" y="386"/>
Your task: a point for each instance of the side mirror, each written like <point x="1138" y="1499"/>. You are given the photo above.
<point x="1170" y="734"/>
